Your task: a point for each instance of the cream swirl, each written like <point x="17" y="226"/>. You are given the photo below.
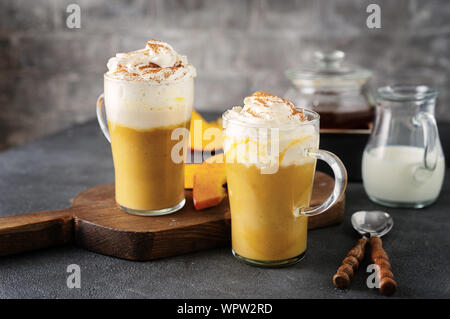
<point x="265" y="108"/>
<point x="158" y="62"/>
<point x="247" y="140"/>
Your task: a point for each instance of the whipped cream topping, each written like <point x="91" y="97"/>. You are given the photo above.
<point x="143" y="105"/>
<point x="265" y="108"/>
<point x="158" y="62"/>
<point x="283" y="145"/>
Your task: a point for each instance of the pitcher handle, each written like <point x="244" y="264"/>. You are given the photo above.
<point x="430" y="138"/>
<point x="100" y="117"/>
<point x="340" y="181"/>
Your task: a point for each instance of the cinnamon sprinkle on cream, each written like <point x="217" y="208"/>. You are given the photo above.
<point x="157" y="62"/>
<point x="265" y="108"/>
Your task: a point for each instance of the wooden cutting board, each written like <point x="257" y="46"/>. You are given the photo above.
<point x="94" y="222"/>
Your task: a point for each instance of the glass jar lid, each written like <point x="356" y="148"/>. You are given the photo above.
<point x="328" y="67"/>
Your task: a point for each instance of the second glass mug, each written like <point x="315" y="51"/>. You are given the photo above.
<point x="141" y="117"/>
<point x="270" y="209"/>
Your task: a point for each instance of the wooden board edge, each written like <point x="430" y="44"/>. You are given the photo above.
<point x="27" y="232"/>
<point x="145" y="246"/>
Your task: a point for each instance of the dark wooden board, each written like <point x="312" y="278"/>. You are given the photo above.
<point x="95" y="223"/>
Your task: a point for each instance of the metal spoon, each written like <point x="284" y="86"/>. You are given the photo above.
<point x="373" y="225"/>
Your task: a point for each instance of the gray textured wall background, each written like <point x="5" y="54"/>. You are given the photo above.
<point x="50" y="75"/>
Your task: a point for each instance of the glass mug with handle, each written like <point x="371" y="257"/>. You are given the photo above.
<point x="142" y="113"/>
<point x="269" y="194"/>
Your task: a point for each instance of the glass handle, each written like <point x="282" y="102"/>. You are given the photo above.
<point x="430" y="138"/>
<point x="340" y="181"/>
<point x="100" y="117"/>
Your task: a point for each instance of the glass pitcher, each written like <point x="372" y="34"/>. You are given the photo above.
<point x="403" y="164"/>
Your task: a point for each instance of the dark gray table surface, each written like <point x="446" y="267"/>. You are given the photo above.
<point x="47" y="173"/>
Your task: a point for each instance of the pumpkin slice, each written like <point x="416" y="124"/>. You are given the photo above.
<point x="208" y="183"/>
<point x="204" y="136"/>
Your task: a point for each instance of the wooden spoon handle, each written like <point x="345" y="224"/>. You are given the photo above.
<point x="350" y="264"/>
<point x="385" y="276"/>
<point x="26" y="232"/>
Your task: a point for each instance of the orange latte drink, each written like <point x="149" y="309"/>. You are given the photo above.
<point x="148" y="96"/>
<point x="270" y="151"/>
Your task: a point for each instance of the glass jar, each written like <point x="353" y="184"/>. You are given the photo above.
<point x="336" y="91"/>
